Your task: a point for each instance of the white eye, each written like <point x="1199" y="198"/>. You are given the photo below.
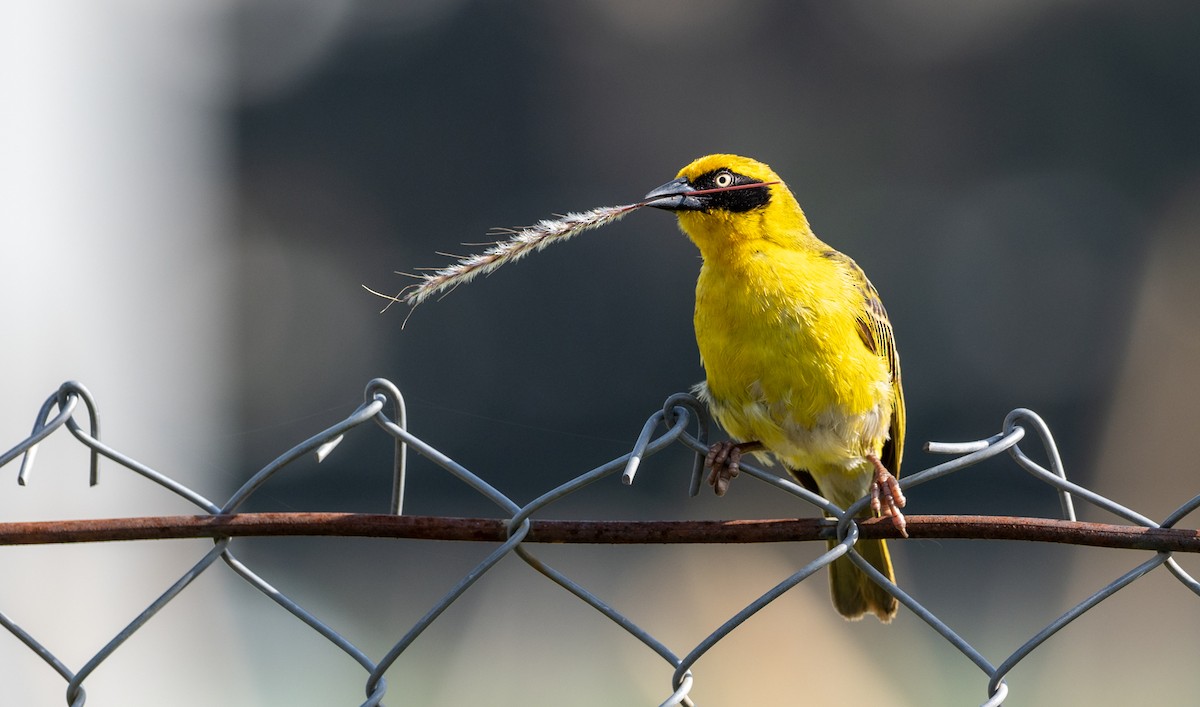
<point x="723" y="179"/>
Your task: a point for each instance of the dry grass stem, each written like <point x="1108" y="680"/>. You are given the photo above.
<point x="520" y="242"/>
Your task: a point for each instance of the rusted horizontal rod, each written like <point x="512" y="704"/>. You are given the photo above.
<point x="592" y="532"/>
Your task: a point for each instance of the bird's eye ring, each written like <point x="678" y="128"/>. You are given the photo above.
<point x="723" y="179"/>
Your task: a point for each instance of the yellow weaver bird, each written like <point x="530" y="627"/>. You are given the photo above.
<point x="799" y="357"/>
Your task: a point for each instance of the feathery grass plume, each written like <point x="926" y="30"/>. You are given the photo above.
<point x="520" y="242"/>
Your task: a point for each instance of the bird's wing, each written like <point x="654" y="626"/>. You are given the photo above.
<point x="875" y="330"/>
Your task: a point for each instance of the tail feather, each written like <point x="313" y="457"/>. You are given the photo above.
<point x="855" y="593"/>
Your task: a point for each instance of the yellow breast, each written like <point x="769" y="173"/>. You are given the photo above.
<point x="779" y="338"/>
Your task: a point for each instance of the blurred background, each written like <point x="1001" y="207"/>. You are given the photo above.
<point x="192" y="195"/>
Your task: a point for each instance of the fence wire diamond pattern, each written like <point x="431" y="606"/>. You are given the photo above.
<point x="384" y="406"/>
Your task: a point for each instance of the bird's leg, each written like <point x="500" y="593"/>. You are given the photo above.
<point x="724" y="462"/>
<point x="886" y="496"/>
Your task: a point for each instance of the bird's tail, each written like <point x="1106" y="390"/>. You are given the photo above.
<point x="854" y="593"/>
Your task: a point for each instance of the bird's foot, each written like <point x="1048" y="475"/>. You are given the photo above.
<point x="724" y="463"/>
<point x="886" y="496"/>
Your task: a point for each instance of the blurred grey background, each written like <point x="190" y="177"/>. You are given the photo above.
<point x="193" y="195"/>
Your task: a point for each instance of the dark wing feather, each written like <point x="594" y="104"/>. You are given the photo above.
<point x="876" y="332"/>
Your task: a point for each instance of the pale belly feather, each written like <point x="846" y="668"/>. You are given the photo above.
<point x="832" y="448"/>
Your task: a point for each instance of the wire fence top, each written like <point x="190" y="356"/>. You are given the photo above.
<point x="517" y="528"/>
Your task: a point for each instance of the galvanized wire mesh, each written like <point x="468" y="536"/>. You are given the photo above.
<point x="384" y="406"/>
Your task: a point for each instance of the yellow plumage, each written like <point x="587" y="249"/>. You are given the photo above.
<point x="798" y="353"/>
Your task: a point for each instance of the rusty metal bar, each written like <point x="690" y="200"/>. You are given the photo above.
<point x="593" y="532"/>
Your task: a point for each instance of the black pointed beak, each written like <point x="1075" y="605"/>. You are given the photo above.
<point x="675" y="195"/>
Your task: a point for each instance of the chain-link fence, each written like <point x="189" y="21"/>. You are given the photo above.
<point x="682" y="421"/>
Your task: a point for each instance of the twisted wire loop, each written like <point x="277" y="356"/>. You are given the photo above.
<point x="384" y="406"/>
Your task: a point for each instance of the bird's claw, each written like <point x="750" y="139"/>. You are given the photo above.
<point x="723" y="461"/>
<point x="887" y="498"/>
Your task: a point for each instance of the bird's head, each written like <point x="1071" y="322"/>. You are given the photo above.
<point x="725" y="198"/>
